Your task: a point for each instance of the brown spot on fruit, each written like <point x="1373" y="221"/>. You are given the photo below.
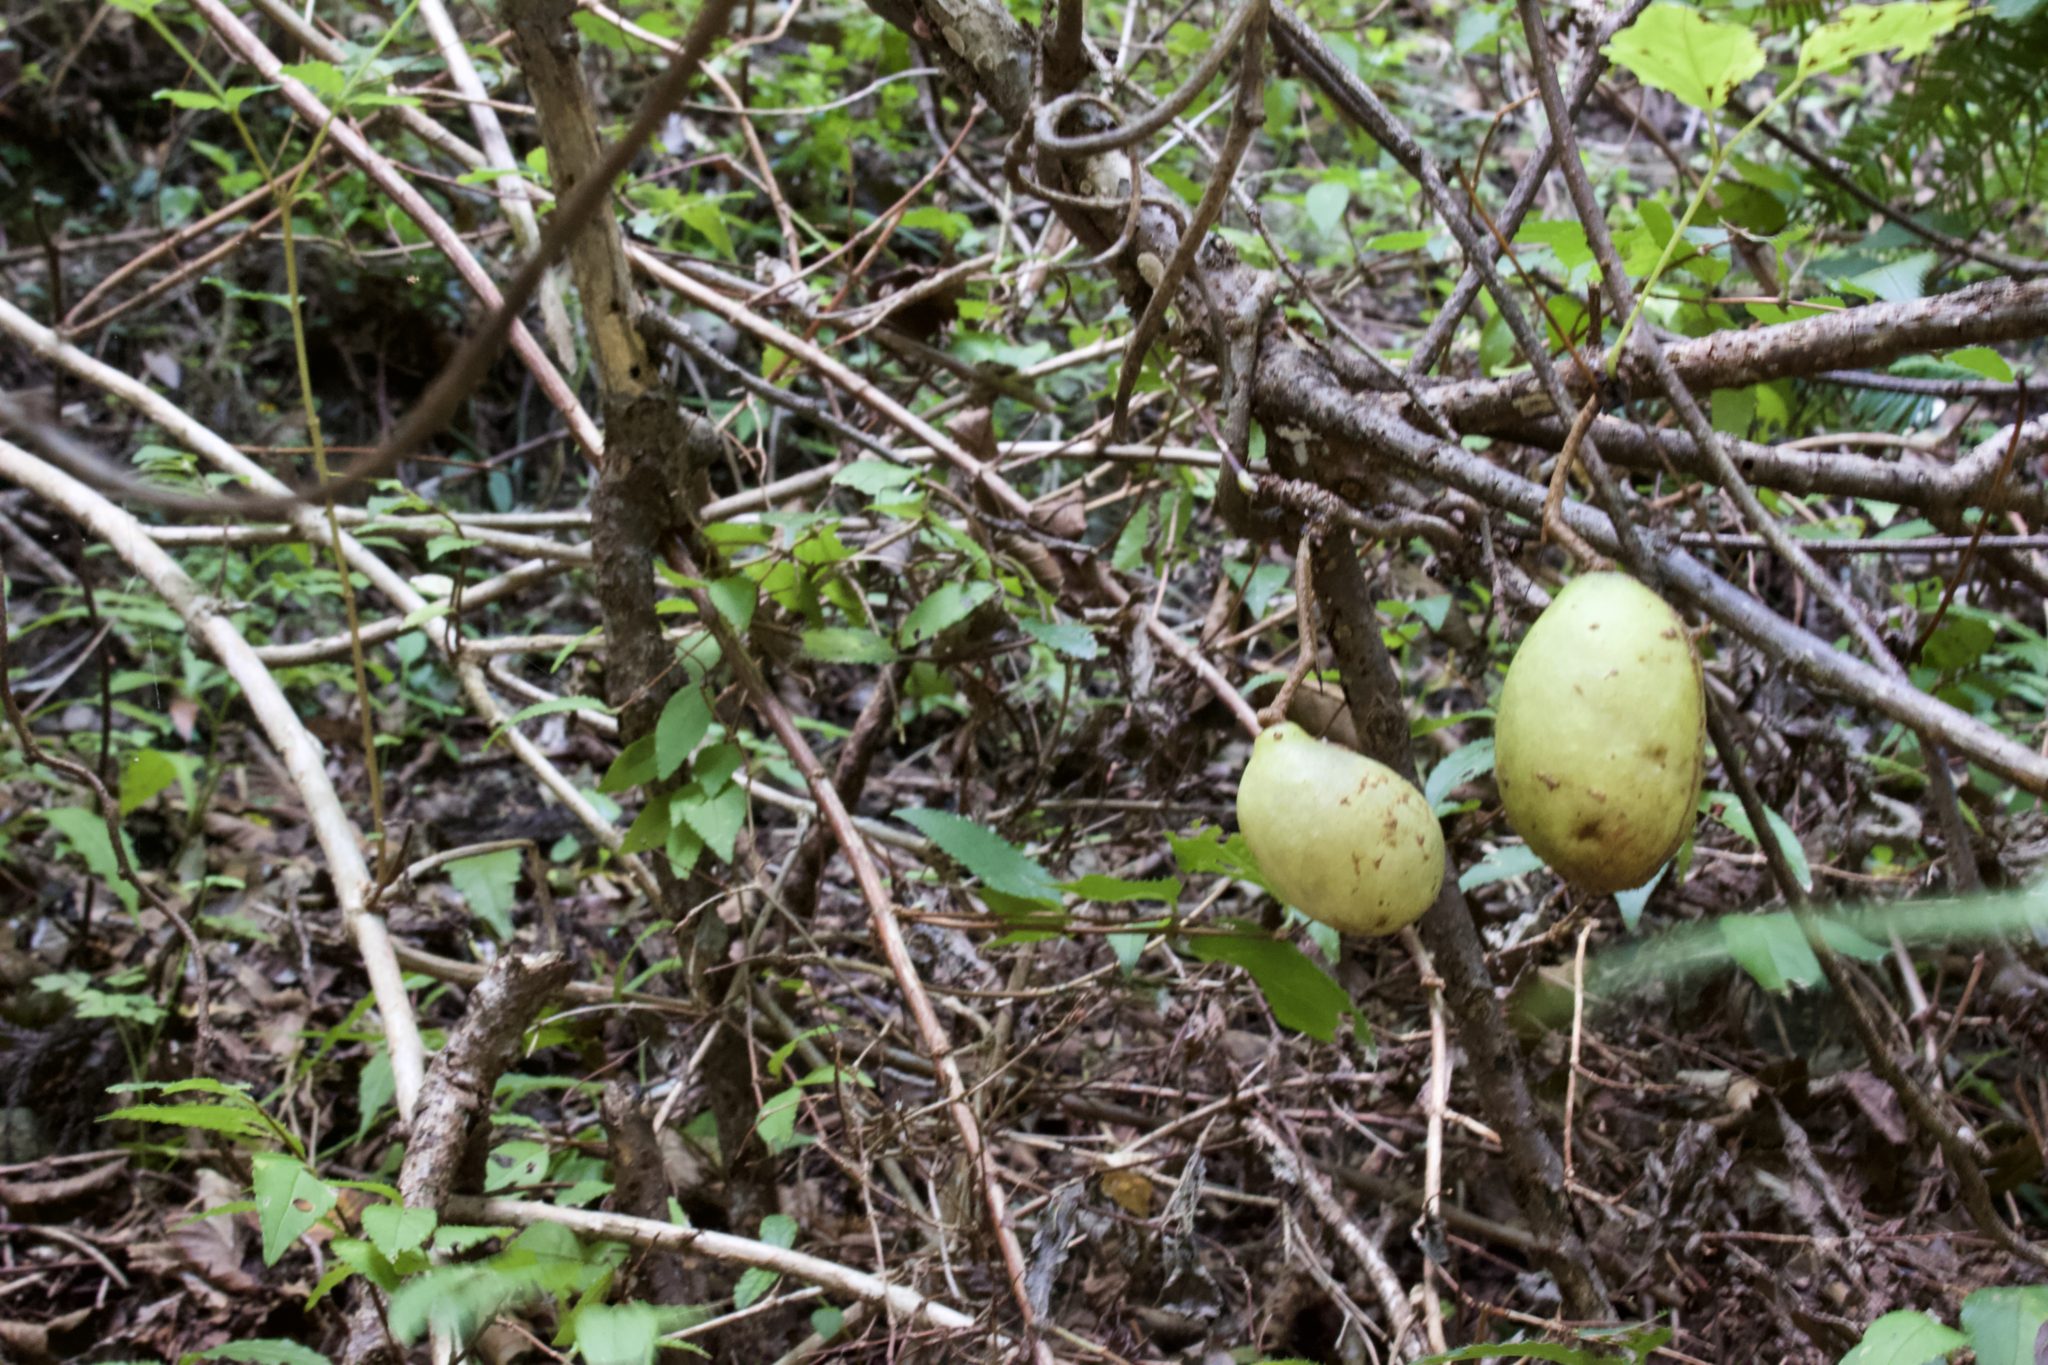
<point x="1588" y="830"/>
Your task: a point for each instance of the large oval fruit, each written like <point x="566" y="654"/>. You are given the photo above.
<point x="1341" y="838"/>
<point x="1599" y="737"/>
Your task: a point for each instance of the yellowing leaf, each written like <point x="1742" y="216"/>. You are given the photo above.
<point x="1677" y="49"/>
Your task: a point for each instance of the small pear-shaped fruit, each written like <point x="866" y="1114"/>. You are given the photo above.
<point x="1343" y="839"/>
<point x="1599" y="736"/>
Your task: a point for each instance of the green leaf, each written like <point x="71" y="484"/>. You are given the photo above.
<point x="1771" y="949"/>
<point x="931" y="218"/>
<point x="633" y="767"/>
<point x="1406" y="240"/>
<point x="455" y="1300"/>
<point x="2005" y="1324"/>
<point x="735" y="599"/>
<point x="1326" y="201"/>
<point x="683" y="849"/>
<point x="1677" y="49"/>
<point x="1131" y="541"/>
<point x="1959" y="642"/>
<point x="264" y="1351"/>
<point x="776" y="1123"/>
<point x="1459" y="767"/>
<point x="1001" y="865"/>
<point x="212" y="1118"/>
<point x="649" y="828"/>
<point x="617" y="1333"/>
<point x="777" y="1230"/>
<point x="1911" y="26"/>
<point x="86" y="832"/>
<point x="1128" y="949"/>
<point x="1727" y="808"/>
<point x="1525" y="1350"/>
<point x="949" y="605"/>
<point x="847" y="645"/>
<point x="144" y="775"/>
<point x="684" y="720"/>
<point x="319" y="77"/>
<point x="1631" y="903"/>
<point x="1904" y="1338"/>
<point x="1506" y="862"/>
<point x="707" y="218"/>
<point x="1119" y="891"/>
<point x="395" y="1230"/>
<point x="486" y="883"/>
<point x="827" y="1321"/>
<point x="289" y="1200"/>
<point x="1070" y="638"/>
<point x="874" y="476"/>
<point x="717" y="820"/>
<point x="1301" y="994"/>
<point x="514" y="1165"/>
<point x="1206" y="851"/>
<point x="715" y="766"/>
<point x="190" y="99"/>
<point x="1983" y="362"/>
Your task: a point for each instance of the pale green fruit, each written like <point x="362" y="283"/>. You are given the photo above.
<point x="1598" y="740"/>
<point x="1341" y="838"/>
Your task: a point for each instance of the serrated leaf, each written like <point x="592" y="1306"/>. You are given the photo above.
<point x="212" y="1118"/>
<point x="1207" y="851"/>
<point x="1120" y="891"/>
<point x="289" y="1200"/>
<point x="947" y="606"/>
<point x="1000" y="865"/>
<point x="735" y="598"/>
<point x="717" y="820"/>
<point x="394" y="1229"/>
<point x="617" y="1333"/>
<point x="487" y="883"/>
<point x="1679" y="50"/>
